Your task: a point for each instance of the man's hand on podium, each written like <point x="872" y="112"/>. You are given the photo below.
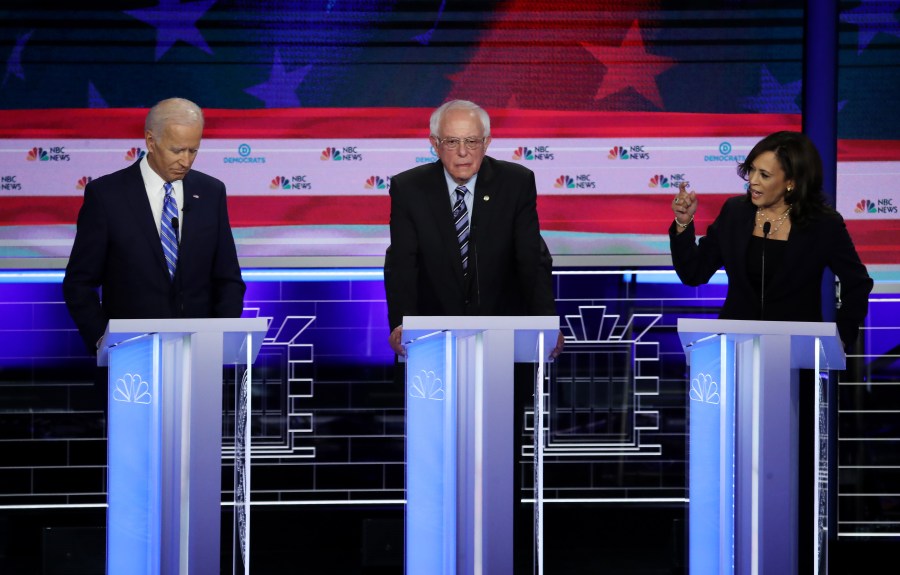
<point x="560" y="342"/>
<point x="396" y="341"/>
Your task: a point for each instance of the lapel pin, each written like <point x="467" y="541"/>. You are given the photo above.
<point x="486" y="198"/>
<point x="196" y="196"/>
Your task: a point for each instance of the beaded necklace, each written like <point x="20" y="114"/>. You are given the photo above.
<point x="778" y="222"/>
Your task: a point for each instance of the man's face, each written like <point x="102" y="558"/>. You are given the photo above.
<point x="172" y="153"/>
<point x="461" y="163"/>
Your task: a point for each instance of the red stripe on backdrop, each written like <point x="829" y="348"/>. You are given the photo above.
<point x="243" y="211"/>
<point x="390" y="123"/>
<point x="868" y="150"/>
<point x="876" y="240"/>
<point x="651" y="214"/>
<point x="249" y="211"/>
<point x="413" y="122"/>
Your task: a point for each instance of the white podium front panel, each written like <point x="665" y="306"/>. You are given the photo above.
<point x="165" y="442"/>
<point x="134" y="482"/>
<point x="711" y="468"/>
<point x="460" y="446"/>
<point x="431" y="450"/>
<point x="744" y="447"/>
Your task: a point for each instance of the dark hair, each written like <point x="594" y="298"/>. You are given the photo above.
<point x="801" y="163"/>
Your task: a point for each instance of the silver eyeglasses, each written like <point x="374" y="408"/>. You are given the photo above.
<point x="453" y="143"/>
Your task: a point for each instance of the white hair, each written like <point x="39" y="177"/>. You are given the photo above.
<point x="438" y="115"/>
<point x="172" y="111"/>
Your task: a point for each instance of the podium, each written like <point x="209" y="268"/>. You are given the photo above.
<point x="744" y="464"/>
<point x="459" y="438"/>
<point x="164" y="465"/>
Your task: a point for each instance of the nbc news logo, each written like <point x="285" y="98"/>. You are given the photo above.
<point x="134" y="154"/>
<point x="344" y="154"/>
<point x="879" y="206"/>
<point x="292" y="183"/>
<point x="536" y="153"/>
<point x="9" y="183"/>
<point x="628" y="153"/>
<point x="670" y="181"/>
<point x="53" y="154"/>
<point x="377" y="183"/>
<point x="580" y="181"/>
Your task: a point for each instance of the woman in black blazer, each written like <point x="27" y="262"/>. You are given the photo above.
<point x="783" y="218"/>
<point x="775" y="241"/>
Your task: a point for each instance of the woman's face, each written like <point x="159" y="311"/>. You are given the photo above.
<point x="766" y="182"/>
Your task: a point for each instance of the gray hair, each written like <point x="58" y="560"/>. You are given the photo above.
<point x="438" y="115"/>
<point x="172" y="111"/>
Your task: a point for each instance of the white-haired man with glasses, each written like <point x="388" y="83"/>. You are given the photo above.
<point x="465" y="237"/>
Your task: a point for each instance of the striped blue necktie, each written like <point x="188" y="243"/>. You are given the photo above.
<point x="461" y="221"/>
<point x="167" y="231"/>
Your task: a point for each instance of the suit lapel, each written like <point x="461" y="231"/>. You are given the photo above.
<point x="137" y="201"/>
<point x="191" y="198"/>
<point x="438" y="199"/>
<point x="483" y="210"/>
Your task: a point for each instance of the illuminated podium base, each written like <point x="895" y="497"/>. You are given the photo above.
<point x="744" y="428"/>
<point x="164" y="473"/>
<point x="459" y="438"/>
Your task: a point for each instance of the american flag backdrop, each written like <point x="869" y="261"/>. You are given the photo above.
<point x="679" y="89"/>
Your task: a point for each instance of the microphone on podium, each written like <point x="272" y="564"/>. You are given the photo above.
<point x="767" y="227"/>
<point x="175" y="229"/>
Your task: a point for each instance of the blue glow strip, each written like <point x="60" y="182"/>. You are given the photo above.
<point x="250" y="275"/>
<point x="31" y="277"/>
<point x="377" y="274"/>
<point x="669" y="277"/>
<point x="313" y="275"/>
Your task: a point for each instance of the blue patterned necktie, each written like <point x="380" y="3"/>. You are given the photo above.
<point x="167" y="233"/>
<point x="461" y="221"/>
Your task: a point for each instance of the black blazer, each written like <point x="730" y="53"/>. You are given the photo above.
<point x="510" y="268"/>
<point x="794" y="294"/>
<point x="117" y="248"/>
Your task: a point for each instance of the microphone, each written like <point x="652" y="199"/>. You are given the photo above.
<point x="175" y="228"/>
<point x="767" y="227"/>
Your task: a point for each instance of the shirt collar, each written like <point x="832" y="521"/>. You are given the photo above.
<point x="154" y="182"/>
<point x="452" y="185"/>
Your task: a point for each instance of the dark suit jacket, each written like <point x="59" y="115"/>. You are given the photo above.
<point x="794" y="294"/>
<point x="117" y="248"/>
<point x="509" y="265"/>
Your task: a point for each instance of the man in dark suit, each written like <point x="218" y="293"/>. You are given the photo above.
<point x="118" y="244"/>
<point x="465" y="240"/>
<point x="503" y="269"/>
